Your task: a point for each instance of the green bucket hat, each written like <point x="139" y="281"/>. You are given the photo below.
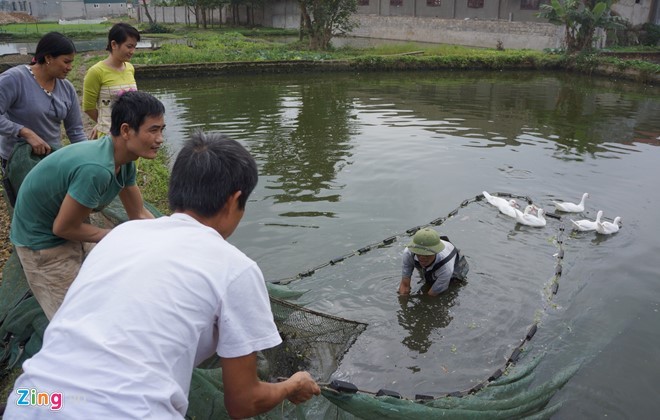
<point x="426" y="242"/>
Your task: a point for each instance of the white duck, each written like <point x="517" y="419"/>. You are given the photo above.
<point x="530" y="219"/>
<point x="586" y="225"/>
<point x="571" y="207"/>
<point x="531" y="208"/>
<point x="607" y="228"/>
<point x="507" y="207"/>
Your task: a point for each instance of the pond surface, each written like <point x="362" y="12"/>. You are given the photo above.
<point x="347" y="160"/>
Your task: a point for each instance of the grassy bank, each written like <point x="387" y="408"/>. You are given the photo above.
<point x="211" y="47"/>
<point x="153" y="178"/>
<point x="265" y="45"/>
<point x="34" y="30"/>
<point x="205" y="48"/>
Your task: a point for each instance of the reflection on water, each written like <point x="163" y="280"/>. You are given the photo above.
<point x="421" y="314"/>
<point x="313" y="130"/>
<point x="501" y="109"/>
<point x="300" y="134"/>
<point x="349" y="159"/>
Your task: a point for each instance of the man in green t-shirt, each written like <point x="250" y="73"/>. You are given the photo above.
<point x="50" y="227"/>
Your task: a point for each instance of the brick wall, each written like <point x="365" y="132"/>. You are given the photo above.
<point x="472" y="32"/>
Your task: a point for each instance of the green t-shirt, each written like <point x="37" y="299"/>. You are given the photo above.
<point x="85" y="171"/>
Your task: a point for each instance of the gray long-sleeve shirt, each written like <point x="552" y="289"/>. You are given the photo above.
<point x="23" y="103"/>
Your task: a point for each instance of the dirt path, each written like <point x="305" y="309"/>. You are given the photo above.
<point x="15" y="17"/>
<point x="5" y="245"/>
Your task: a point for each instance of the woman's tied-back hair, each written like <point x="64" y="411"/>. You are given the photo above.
<point x="208" y="170"/>
<point x="119" y="33"/>
<point x="132" y="108"/>
<point x="53" y="44"/>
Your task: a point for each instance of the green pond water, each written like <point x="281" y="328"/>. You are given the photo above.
<point x="347" y="160"/>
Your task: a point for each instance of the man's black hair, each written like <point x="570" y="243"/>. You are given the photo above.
<point x="208" y="170"/>
<point x="132" y="108"/>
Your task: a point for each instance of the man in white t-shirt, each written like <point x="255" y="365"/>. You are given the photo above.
<point x="157" y="297"/>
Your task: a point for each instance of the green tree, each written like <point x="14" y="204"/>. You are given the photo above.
<point x="146" y="12"/>
<point x="202" y="9"/>
<point x="249" y="5"/>
<point x="580" y="19"/>
<point x="323" y="19"/>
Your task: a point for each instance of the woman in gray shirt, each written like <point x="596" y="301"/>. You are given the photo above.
<point x="35" y="99"/>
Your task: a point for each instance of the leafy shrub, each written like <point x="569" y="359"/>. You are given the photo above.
<point x="650" y="34"/>
<point x="623" y="36"/>
<point x="157" y="28"/>
<point x="554" y="51"/>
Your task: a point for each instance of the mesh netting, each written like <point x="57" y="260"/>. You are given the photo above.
<point x="312" y="341"/>
<point x="22" y="321"/>
<point x="506" y="398"/>
<point x="483" y="330"/>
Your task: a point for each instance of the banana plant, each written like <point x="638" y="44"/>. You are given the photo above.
<point x="580" y="19"/>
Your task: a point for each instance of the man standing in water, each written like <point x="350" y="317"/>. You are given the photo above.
<point x="157" y="297"/>
<point x="437" y="261"/>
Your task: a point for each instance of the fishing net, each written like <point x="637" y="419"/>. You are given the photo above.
<point x="312" y="341"/>
<point x="22" y="321"/>
<point x="458" y="354"/>
<point x="505" y="398"/>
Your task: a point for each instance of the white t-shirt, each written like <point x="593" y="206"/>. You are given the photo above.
<point x="152" y="300"/>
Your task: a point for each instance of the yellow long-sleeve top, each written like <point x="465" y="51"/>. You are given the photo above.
<point x="101" y="87"/>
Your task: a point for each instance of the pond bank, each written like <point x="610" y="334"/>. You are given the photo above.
<point x="381" y="64"/>
<point x="375" y="63"/>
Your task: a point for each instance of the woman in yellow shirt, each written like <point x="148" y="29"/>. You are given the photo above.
<point x="110" y="78"/>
